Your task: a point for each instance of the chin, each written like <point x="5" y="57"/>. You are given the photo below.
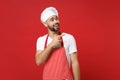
<point x="56" y="30"/>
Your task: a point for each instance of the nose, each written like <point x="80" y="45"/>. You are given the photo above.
<point x="56" y="21"/>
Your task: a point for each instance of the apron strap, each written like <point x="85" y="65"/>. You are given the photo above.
<point x="47" y="40"/>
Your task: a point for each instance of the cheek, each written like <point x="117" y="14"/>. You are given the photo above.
<point x="50" y="24"/>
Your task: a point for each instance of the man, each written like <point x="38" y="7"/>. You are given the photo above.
<point x="57" y="50"/>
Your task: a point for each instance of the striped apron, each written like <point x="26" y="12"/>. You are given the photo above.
<point x="56" y="66"/>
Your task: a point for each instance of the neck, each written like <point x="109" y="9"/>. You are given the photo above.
<point x="52" y="34"/>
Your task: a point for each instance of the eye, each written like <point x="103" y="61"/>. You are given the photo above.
<point x="56" y="18"/>
<point x="52" y="19"/>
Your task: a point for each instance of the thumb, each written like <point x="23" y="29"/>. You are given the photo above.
<point x="60" y="37"/>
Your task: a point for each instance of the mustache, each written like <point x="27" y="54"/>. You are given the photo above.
<point x="57" y="24"/>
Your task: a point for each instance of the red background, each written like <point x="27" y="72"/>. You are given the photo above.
<point x="95" y="25"/>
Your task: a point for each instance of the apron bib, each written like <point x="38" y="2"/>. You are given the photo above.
<point x="56" y="66"/>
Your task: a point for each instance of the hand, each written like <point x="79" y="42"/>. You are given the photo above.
<point x="57" y="40"/>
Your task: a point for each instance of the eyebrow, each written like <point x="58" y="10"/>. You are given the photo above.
<point x="53" y="18"/>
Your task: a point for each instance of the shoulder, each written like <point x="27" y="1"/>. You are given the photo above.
<point x="67" y="36"/>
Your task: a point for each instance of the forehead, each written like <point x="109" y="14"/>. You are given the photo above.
<point x="54" y="16"/>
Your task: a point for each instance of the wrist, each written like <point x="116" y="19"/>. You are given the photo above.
<point x="51" y="46"/>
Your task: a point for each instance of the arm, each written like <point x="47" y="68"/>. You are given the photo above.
<point x="75" y="66"/>
<point x="42" y="55"/>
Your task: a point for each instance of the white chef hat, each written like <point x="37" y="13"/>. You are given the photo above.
<point x="48" y="12"/>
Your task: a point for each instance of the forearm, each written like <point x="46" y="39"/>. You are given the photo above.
<point x="76" y="70"/>
<point x="42" y="56"/>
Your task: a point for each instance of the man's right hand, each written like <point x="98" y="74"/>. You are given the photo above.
<point x="56" y="42"/>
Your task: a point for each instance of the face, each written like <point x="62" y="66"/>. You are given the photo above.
<point x="53" y="23"/>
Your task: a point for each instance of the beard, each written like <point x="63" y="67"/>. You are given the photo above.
<point x="54" y="28"/>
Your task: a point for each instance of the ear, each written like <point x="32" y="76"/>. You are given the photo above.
<point x="45" y="24"/>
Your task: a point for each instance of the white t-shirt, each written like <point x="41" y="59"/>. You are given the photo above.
<point x="68" y="41"/>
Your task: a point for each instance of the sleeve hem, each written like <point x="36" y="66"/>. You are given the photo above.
<point x="73" y="52"/>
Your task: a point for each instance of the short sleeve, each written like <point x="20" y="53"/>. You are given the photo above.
<point x="72" y="45"/>
<point x="40" y="44"/>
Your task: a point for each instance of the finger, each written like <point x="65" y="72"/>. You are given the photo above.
<point x="62" y="34"/>
<point x="60" y="38"/>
